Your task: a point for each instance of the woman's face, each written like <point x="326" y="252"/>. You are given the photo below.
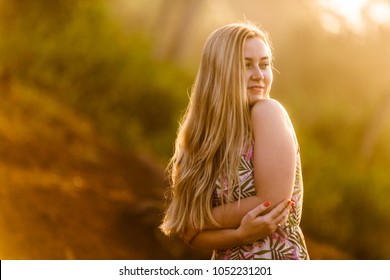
<point x="258" y="69"/>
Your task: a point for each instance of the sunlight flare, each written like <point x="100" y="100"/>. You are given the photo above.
<point x="353" y="14"/>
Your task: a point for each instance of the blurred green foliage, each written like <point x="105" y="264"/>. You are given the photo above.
<point x="338" y="96"/>
<point x="335" y="88"/>
<point x="337" y="91"/>
<point x="80" y="54"/>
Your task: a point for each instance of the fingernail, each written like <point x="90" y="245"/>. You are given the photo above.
<point x="289" y="202"/>
<point x="267" y="203"/>
<point x="292" y="203"/>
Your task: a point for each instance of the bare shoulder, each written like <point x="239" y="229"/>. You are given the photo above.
<point x="269" y="109"/>
<point x="270" y="118"/>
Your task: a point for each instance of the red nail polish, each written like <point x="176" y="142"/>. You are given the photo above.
<point x="267" y="203"/>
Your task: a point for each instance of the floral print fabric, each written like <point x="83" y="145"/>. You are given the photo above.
<point x="286" y="243"/>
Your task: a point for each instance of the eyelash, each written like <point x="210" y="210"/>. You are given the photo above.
<point x="262" y="65"/>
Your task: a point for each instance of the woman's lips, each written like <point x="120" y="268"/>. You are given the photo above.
<point x="256" y="89"/>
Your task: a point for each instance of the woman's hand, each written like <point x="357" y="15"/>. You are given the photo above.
<point x="188" y="235"/>
<point x="257" y="223"/>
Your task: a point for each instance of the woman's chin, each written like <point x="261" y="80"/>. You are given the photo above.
<point x="253" y="98"/>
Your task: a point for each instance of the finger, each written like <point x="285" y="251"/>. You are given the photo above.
<point x="186" y="236"/>
<point x="184" y="239"/>
<point x="282" y="218"/>
<point x="259" y="209"/>
<point x="278" y="209"/>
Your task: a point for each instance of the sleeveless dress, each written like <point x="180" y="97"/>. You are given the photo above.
<point x="287" y="243"/>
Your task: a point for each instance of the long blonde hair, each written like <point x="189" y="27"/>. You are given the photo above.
<point x="215" y="128"/>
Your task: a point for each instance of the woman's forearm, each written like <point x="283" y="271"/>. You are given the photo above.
<point x="216" y="239"/>
<point x="230" y="214"/>
<point x="256" y="224"/>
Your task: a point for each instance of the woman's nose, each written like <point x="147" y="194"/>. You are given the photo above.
<point x="257" y="74"/>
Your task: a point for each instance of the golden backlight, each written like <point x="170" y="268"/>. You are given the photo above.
<point x="353" y="14"/>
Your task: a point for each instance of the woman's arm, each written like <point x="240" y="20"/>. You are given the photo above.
<point x="274" y="163"/>
<point x="275" y="151"/>
<point x="255" y="225"/>
<point x="230" y="214"/>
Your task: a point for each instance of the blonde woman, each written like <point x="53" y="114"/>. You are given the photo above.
<point x="236" y="184"/>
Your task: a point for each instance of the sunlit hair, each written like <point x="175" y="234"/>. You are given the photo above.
<point x="214" y="130"/>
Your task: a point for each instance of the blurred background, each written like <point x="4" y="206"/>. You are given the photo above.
<point x="90" y="97"/>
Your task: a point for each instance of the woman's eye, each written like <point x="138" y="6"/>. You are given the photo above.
<point x="264" y="65"/>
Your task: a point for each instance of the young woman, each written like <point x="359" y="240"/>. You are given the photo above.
<point x="236" y="184"/>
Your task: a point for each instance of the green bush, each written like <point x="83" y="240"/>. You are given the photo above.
<point x="85" y="58"/>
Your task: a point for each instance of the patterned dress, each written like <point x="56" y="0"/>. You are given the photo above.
<point x="286" y="243"/>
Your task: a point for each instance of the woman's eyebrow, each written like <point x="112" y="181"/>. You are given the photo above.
<point x="261" y="59"/>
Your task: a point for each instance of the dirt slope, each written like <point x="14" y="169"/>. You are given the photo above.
<point x="65" y="193"/>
